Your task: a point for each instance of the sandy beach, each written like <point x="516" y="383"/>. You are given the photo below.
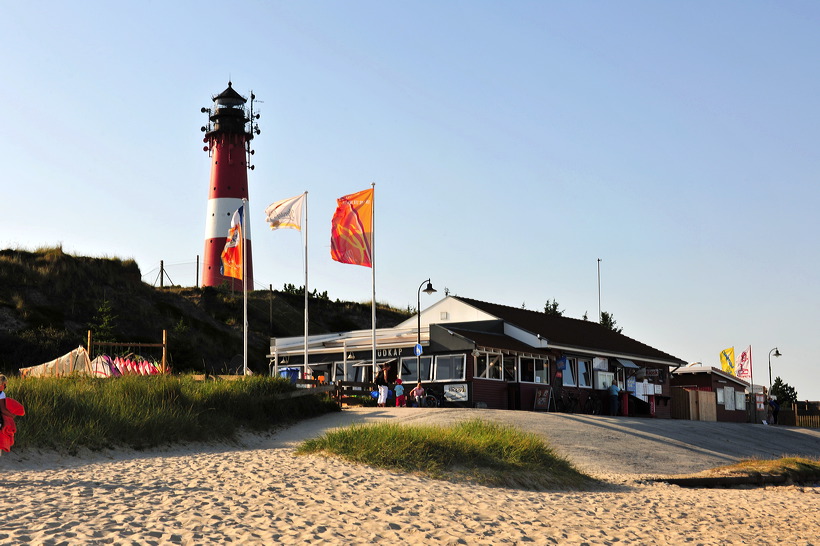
<point x="260" y="492"/>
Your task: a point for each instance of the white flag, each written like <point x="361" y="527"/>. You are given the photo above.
<point x="744" y="365"/>
<point x="286" y="213"/>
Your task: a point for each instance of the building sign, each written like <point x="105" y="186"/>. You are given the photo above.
<point x="392" y="352"/>
<point x="456" y="392"/>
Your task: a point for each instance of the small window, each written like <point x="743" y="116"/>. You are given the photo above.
<point x="510" y="368"/>
<point x="569" y="373"/>
<point x="584" y="373"/>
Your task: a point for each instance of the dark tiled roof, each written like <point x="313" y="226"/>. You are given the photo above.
<point x="495" y="341"/>
<point x="570" y="332"/>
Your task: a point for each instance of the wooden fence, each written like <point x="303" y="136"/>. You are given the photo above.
<point x="801" y="414"/>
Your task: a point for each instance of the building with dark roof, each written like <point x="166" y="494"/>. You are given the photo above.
<point x="481" y="354"/>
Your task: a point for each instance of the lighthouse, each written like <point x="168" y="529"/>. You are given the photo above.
<point x="228" y="134"/>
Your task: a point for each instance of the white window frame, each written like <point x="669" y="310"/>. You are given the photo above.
<point x="572" y="370"/>
<point x="410" y="361"/>
<point x="461" y="356"/>
<point x="495" y="361"/>
<point x="545" y="368"/>
<point x="588" y="365"/>
<point x="509" y="368"/>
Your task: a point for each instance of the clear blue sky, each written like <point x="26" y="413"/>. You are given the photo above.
<point x="512" y="144"/>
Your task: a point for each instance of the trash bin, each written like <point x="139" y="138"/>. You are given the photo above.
<point x="289" y="373"/>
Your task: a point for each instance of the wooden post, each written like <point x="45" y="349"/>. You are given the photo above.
<point x="164" y="350"/>
<point x="89" y="343"/>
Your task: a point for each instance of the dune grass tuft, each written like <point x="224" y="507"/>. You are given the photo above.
<point x="69" y="413"/>
<point x="475" y="451"/>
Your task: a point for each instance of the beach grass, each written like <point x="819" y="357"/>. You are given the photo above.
<point x="475" y="451"/>
<point x="69" y="413"/>
<point x="792" y="467"/>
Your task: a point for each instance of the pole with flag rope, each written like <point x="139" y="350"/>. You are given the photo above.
<point x="304" y="220"/>
<point x="373" y="268"/>
<point x="245" y="286"/>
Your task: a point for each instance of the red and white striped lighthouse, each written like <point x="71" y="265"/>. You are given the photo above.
<point x="230" y="129"/>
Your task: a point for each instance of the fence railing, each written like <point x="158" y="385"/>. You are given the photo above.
<point x="800" y="414"/>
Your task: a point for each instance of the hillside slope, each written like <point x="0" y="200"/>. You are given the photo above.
<point x="49" y="300"/>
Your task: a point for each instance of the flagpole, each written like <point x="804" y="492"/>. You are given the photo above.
<point x="754" y="394"/>
<point x="245" y="283"/>
<point x="373" y="268"/>
<point x="304" y="217"/>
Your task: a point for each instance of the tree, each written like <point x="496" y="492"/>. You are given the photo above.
<point x="608" y="321"/>
<point x="785" y="393"/>
<point x="104" y="324"/>
<point x="551" y="308"/>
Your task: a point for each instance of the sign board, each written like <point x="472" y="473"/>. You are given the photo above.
<point x="417" y="350"/>
<point x="456" y="392"/>
<point x="542" y="399"/>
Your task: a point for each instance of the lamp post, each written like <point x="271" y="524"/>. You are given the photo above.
<point x="776" y="353"/>
<point x="599" y="290"/>
<point x="429" y="290"/>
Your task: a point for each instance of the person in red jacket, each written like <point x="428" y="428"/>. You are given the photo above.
<point x="9" y="409"/>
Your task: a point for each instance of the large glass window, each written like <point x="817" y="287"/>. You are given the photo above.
<point x="584" y="368"/>
<point x="534" y="370"/>
<point x="488" y="366"/>
<point x="409" y="368"/>
<point x="449" y="367"/>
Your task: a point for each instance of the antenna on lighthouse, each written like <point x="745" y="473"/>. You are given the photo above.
<point x="253" y="129"/>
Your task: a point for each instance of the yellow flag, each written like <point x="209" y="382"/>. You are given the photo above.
<point x="727" y="360"/>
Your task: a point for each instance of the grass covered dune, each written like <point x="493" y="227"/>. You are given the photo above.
<point x="475" y="451"/>
<point x="69" y="413"/>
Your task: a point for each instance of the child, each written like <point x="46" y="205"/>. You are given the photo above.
<point x="401" y="400"/>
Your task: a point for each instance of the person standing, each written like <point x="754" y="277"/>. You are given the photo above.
<point x="382" y="383"/>
<point x="774" y="407"/>
<point x="614" y="394"/>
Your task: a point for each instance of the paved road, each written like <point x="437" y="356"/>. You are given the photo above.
<point x="602" y="444"/>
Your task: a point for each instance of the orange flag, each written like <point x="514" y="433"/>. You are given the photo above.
<point x="232" y="253"/>
<point x="351" y="230"/>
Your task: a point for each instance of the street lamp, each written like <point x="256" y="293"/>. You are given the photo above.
<point x="429" y="290"/>
<point x="776" y="353"/>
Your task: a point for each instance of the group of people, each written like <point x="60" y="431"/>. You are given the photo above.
<point x="414" y="398"/>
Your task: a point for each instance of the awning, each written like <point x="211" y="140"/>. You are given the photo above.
<point x="624" y="363"/>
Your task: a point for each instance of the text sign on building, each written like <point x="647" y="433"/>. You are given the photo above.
<point x="456" y="392"/>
